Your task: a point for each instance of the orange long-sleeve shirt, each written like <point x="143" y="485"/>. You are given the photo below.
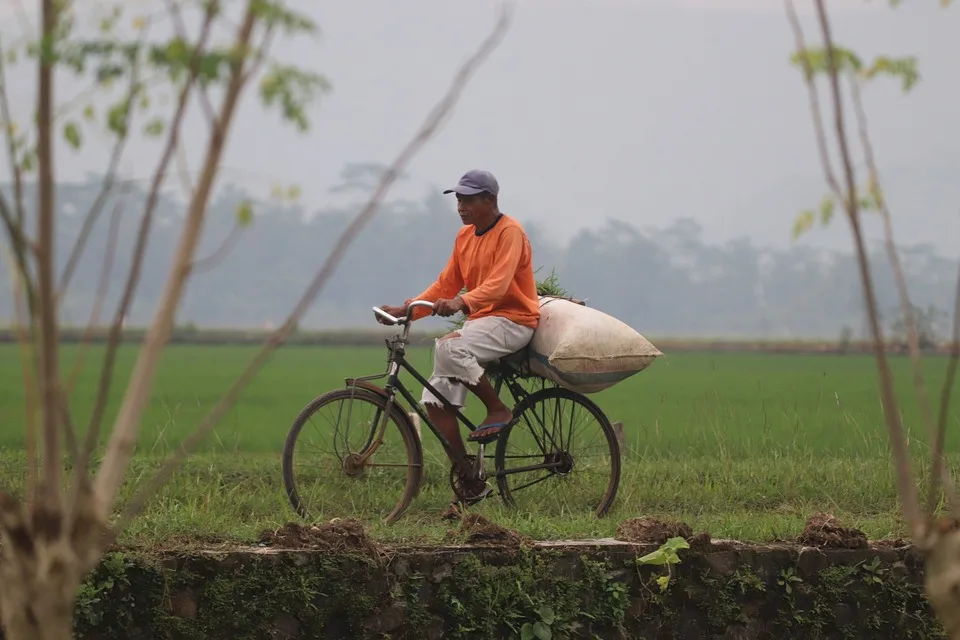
<point x="497" y="270"/>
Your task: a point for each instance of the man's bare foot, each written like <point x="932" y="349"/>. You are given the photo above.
<point x="501" y="416"/>
<point x="495" y="421"/>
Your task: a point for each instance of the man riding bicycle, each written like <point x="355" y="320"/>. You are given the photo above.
<point x="492" y="259"/>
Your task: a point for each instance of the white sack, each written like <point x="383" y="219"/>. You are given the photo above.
<point x="584" y="349"/>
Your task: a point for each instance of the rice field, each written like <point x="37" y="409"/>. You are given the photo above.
<point x="744" y="446"/>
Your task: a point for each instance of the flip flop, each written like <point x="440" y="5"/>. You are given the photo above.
<point x="487" y="432"/>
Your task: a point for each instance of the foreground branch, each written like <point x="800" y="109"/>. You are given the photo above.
<point x="124" y="435"/>
<point x="140" y="248"/>
<point x="109" y="181"/>
<point x="47" y="307"/>
<point x="819" y="129"/>
<point x="939" y="477"/>
<point x="891" y="412"/>
<point x="103" y="287"/>
<point x="947" y="391"/>
<point x="426" y="132"/>
<point x="13" y="217"/>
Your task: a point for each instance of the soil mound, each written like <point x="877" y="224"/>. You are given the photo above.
<point x="477" y="530"/>
<point x="655" y="531"/>
<point x="824" y="531"/>
<point x="338" y="535"/>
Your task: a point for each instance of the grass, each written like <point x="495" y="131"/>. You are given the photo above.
<point x="745" y="446"/>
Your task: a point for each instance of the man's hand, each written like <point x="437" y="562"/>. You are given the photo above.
<point x="447" y="307"/>
<point x="396" y="311"/>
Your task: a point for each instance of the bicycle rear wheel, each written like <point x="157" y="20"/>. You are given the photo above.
<point x="344" y="469"/>
<point x="561" y="452"/>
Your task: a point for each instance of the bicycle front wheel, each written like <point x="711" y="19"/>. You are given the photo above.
<point x="561" y="452"/>
<point x="340" y="460"/>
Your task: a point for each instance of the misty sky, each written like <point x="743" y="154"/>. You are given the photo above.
<point x="640" y="110"/>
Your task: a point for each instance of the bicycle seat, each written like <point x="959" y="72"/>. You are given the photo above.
<point x="515" y="360"/>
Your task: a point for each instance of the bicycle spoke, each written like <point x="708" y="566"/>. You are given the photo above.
<point x="339" y="468"/>
<point x="546" y="443"/>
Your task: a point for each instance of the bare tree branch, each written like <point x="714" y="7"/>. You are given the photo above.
<point x="205" y="264"/>
<point x="183" y="171"/>
<point x="102" y="288"/>
<point x="28" y="364"/>
<point x="947" y="391"/>
<point x="13" y="218"/>
<point x="109" y="179"/>
<point x="139" y="251"/>
<point x="940" y="476"/>
<point x="426" y="132"/>
<point x="124" y="434"/>
<point x="819" y="129"/>
<point x="47" y="304"/>
<point x="905" y="484"/>
<point x="11" y="150"/>
<point x="264" y="47"/>
<point x="181" y="30"/>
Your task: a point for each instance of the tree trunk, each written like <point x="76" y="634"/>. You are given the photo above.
<point x="942" y="577"/>
<point x="34" y="611"/>
<point x="38" y="590"/>
<point x="45" y="556"/>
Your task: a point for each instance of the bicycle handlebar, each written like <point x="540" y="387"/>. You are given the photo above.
<point x="416" y="303"/>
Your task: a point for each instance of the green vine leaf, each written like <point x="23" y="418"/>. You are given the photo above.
<point x="667" y="553"/>
<point x="663" y="582"/>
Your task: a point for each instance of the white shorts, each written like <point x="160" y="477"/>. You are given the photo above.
<point x="460" y="359"/>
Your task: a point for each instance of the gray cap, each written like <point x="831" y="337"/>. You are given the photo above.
<point x="476" y="181"/>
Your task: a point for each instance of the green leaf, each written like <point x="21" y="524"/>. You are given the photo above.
<point x="542" y="631"/>
<point x="814" y="60"/>
<point x="154" y="128"/>
<point x="88" y="113"/>
<point x="547" y="614"/>
<point x="827" y="206"/>
<point x="28" y="160"/>
<point x="244" y="214"/>
<point x="903" y="68"/>
<point x="676" y="544"/>
<point x="664" y="582"/>
<point x="117" y="118"/>
<point x="666" y="554"/>
<point x="526" y="631"/>
<point x="71" y="133"/>
<point x="276" y="14"/>
<point x="803" y="223"/>
<point x="293" y="89"/>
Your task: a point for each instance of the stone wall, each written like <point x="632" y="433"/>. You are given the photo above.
<point x="547" y="590"/>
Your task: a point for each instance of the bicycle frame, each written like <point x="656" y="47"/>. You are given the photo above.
<point x="396" y="361"/>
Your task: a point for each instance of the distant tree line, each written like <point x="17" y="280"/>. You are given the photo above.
<point x="669" y="280"/>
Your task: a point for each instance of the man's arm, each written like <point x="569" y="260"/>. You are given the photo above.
<point x="508" y="253"/>
<point x="448" y="284"/>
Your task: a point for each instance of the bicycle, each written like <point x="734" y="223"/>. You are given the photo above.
<point x="553" y="453"/>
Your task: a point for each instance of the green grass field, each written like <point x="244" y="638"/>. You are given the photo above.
<point x="744" y="446"/>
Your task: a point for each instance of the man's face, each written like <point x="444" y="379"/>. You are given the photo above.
<point x="475" y="208"/>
